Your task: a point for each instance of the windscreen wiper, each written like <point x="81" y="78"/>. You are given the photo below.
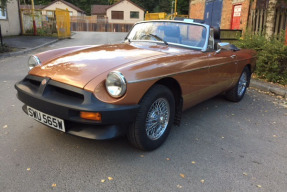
<point x="156" y="37"/>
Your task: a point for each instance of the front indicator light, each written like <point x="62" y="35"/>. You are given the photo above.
<point x="96" y="116"/>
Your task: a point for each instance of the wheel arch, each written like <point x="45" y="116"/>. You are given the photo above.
<point x="175" y="88"/>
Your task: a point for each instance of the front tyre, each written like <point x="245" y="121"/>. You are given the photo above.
<point x="154" y="119"/>
<point x="237" y="93"/>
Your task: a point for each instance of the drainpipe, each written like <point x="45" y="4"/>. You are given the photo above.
<point x="33" y="15"/>
<point x="20" y="18"/>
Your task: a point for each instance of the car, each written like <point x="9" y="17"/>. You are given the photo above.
<point x="138" y="88"/>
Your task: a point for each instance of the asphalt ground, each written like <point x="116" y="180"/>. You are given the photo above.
<point x="220" y="146"/>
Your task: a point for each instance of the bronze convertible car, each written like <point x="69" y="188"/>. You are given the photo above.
<point x="138" y="88"/>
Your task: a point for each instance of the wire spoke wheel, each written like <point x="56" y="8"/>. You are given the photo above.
<point x="236" y="93"/>
<point x="154" y="119"/>
<point x="157" y="118"/>
<point x="242" y="84"/>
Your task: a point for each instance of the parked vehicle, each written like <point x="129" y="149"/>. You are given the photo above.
<point x="138" y="88"/>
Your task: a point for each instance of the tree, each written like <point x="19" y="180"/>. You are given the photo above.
<point x="3" y="4"/>
<point x="271" y="10"/>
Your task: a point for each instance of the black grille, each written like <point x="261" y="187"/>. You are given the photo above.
<point x="63" y="95"/>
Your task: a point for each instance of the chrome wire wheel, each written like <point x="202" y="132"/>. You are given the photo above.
<point x="242" y="84"/>
<point x="157" y="118"/>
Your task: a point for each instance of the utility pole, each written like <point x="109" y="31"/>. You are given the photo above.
<point x="33" y="16"/>
<point x="175" y="7"/>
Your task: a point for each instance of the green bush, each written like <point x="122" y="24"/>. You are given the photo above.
<point x="272" y="56"/>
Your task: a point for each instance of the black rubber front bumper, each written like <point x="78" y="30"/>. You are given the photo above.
<point x="66" y="102"/>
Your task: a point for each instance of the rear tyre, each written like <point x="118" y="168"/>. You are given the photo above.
<point x="237" y="93"/>
<point x="154" y="119"/>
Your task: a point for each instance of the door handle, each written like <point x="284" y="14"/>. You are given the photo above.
<point x="233" y="56"/>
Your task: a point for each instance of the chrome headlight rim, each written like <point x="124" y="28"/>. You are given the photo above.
<point x="33" y="61"/>
<point x="123" y="84"/>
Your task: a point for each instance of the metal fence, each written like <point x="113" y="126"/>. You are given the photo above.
<point x="258" y="19"/>
<point x="46" y="25"/>
<point x="51" y="23"/>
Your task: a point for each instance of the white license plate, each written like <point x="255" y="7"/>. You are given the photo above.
<point x="46" y="119"/>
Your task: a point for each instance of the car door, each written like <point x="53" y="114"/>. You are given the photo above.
<point x="222" y="68"/>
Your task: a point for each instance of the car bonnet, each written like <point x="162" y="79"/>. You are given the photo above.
<point x="79" y="67"/>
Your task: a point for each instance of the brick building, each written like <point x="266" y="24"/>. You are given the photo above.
<point x="227" y="14"/>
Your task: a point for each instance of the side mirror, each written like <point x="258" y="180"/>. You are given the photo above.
<point x="227" y="46"/>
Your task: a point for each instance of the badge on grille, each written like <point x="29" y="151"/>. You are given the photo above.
<point x="44" y="82"/>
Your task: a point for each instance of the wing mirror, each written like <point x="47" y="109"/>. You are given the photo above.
<point x="226" y="46"/>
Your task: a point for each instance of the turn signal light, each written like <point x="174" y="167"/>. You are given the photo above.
<point x="91" y="116"/>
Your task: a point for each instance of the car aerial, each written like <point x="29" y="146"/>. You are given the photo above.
<point x="137" y="88"/>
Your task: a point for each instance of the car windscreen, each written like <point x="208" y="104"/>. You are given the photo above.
<point x="185" y="34"/>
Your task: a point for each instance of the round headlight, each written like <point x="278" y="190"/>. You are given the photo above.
<point x="116" y="84"/>
<point x="33" y="62"/>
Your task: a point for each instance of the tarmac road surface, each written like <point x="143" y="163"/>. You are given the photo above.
<point x="220" y="145"/>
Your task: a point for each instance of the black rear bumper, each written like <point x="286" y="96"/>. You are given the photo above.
<point x="66" y="102"/>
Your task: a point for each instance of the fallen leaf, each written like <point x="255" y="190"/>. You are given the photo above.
<point x="167" y="159"/>
<point x="232" y="114"/>
<point x="202" y="181"/>
<point x="222" y="137"/>
<point x="182" y="175"/>
<point x="193" y="162"/>
<point x="179" y="186"/>
<point x="274" y="135"/>
<point x="5" y="126"/>
<point x="28" y="169"/>
<point x="12" y="105"/>
<point x="141" y="155"/>
<point x="110" y="178"/>
<point x="245" y="174"/>
<point x="102" y="181"/>
<point x="54" y="185"/>
<point x="259" y="186"/>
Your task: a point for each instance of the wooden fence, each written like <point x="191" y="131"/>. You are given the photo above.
<point x="92" y="23"/>
<point x="258" y="19"/>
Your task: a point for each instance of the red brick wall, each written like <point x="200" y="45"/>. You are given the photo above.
<point x="226" y="16"/>
<point x="196" y="9"/>
<point x="227" y="10"/>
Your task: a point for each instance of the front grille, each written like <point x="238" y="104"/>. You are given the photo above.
<point x="34" y="85"/>
<point x="63" y="95"/>
<point x="53" y="90"/>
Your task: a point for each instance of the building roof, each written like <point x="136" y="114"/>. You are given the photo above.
<point x="30" y="6"/>
<point x="99" y="9"/>
<point x="102" y="9"/>
<point x="129" y="2"/>
<point x="67" y="3"/>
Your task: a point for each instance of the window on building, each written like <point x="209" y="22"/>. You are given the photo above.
<point x="3" y="12"/>
<point x="118" y="15"/>
<point x="134" y="15"/>
<point x="50" y="13"/>
<point x="71" y="13"/>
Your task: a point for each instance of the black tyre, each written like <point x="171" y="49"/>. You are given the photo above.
<point x="237" y="93"/>
<point x="154" y="119"/>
